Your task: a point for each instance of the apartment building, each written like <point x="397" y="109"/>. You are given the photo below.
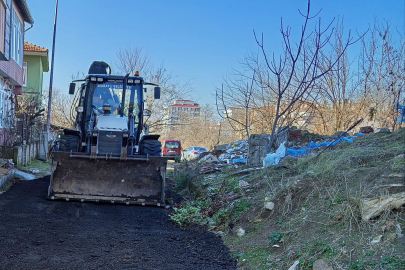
<point x="182" y="109"/>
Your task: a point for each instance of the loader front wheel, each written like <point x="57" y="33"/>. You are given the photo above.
<point x="151" y="147"/>
<point x="69" y="142"/>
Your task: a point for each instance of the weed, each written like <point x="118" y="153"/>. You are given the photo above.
<point x="183" y="182"/>
<point x="221" y="217"/>
<point x="357" y="265"/>
<point x="323" y="229"/>
<point x="256" y="258"/>
<point x="232" y="184"/>
<point x="397" y="164"/>
<point x="275" y="237"/>
<point x="279" y="220"/>
<point x="240" y="206"/>
<point x="306" y="263"/>
<point x="309" y="251"/>
<point x="387" y="263"/>
<point x="325" y="249"/>
<point x="187" y="214"/>
<point x="238" y="255"/>
<point x="6" y="186"/>
<point x="369" y="252"/>
<point x="391" y="263"/>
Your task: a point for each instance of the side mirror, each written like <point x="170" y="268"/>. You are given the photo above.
<point x="157" y="92"/>
<point x="72" y="87"/>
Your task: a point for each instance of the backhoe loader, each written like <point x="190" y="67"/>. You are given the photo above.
<point x="108" y="155"/>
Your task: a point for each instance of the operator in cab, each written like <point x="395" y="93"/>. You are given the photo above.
<point x="103" y="97"/>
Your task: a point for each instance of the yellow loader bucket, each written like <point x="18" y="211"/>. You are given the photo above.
<point x="135" y="180"/>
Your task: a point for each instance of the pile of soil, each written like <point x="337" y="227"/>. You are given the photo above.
<point x="39" y="234"/>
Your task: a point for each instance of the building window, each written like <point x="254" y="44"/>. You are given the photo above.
<point x="5" y="105"/>
<point x="25" y="74"/>
<point x="16" y="38"/>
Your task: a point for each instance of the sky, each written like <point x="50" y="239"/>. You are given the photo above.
<point x="196" y="41"/>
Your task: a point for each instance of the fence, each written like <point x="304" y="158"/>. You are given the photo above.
<point x="29" y="141"/>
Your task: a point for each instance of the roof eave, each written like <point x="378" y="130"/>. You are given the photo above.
<point x="25" y="12"/>
<point x="36" y="53"/>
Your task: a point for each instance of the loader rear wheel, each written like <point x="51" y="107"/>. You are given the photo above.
<point x="151" y="147"/>
<point x="69" y="142"/>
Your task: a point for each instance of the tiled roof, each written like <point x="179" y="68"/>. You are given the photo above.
<point x="195" y="105"/>
<point x="29" y="47"/>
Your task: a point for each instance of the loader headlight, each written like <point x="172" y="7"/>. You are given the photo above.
<point x="93" y="79"/>
<point x="130" y="81"/>
<point x="99" y="79"/>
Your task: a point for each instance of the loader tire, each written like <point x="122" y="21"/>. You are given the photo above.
<point x="151" y="147"/>
<point x="69" y="143"/>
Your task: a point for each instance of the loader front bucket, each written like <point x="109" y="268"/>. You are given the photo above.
<point x="135" y="180"/>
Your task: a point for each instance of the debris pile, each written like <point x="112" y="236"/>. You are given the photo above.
<point x="235" y="152"/>
<point x="232" y="154"/>
<point x="298" y="142"/>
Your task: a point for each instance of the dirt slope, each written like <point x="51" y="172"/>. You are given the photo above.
<point x="306" y="208"/>
<point x="40" y="234"/>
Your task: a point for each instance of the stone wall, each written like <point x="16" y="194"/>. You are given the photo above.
<point x="258" y="144"/>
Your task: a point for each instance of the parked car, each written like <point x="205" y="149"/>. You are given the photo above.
<point x="171" y="148"/>
<point x="193" y="152"/>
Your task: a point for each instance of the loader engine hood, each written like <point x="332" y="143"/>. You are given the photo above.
<point x="112" y="122"/>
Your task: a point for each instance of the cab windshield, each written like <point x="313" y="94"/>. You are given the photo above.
<point x="111" y="93"/>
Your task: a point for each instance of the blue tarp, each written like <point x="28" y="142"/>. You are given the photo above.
<point x="243" y="160"/>
<point x="401" y="117"/>
<point x="304" y="150"/>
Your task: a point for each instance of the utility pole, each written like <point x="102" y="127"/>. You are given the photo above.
<point x="48" y="118"/>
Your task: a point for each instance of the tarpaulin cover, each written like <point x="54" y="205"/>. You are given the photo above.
<point x="304" y="150"/>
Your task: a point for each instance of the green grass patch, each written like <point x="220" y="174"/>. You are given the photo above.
<point x="254" y="258"/>
<point x="187" y="214"/>
<point x="240" y="206"/>
<point x="41" y="165"/>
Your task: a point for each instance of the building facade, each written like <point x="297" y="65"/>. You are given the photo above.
<point x="35" y="63"/>
<point x="13" y="16"/>
<point x="181" y="110"/>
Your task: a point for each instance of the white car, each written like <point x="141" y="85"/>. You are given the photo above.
<point x="192" y="152"/>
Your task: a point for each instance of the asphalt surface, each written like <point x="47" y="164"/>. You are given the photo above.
<point x="36" y="233"/>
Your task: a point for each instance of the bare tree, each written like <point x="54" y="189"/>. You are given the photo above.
<point x="201" y="130"/>
<point x="337" y="91"/>
<point x="171" y="90"/>
<point x="292" y="77"/>
<point x="234" y="101"/>
<point x="133" y="59"/>
<point x="29" y="117"/>
<point x="381" y="76"/>
<point x="62" y="107"/>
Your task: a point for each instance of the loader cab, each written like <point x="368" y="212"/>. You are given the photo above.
<point x="121" y="95"/>
<point x="112" y="104"/>
<point x="124" y="102"/>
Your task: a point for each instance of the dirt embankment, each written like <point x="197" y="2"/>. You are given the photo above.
<point x="39" y="234"/>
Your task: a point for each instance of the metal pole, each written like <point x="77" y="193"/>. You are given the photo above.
<point x="48" y="118"/>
